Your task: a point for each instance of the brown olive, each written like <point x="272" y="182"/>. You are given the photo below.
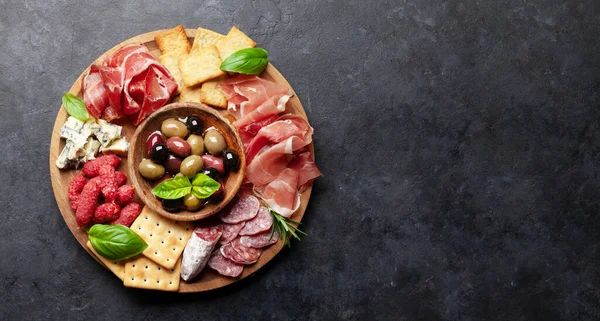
<point x="192" y="203"/>
<point x="172" y="164"/>
<point x="214" y="142"/>
<point x="197" y="144"/>
<point x="179" y="146"/>
<point x="151" y="171"/>
<point x="174" y="128"/>
<point x="191" y="165"/>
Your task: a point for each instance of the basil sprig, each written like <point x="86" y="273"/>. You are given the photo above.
<point x="202" y="186"/>
<point x="75" y="106"/>
<point x="249" y="61"/>
<point x="116" y="242"/>
<point x="173" y="188"/>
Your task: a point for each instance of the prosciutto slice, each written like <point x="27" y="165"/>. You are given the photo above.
<point x="128" y="83"/>
<point x="281" y="194"/>
<point x="285" y="127"/>
<point x="94" y="94"/>
<point x="307" y="170"/>
<point x="251" y="98"/>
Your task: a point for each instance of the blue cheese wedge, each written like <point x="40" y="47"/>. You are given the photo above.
<point x="106" y="132"/>
<point x="119" y="146"/>
<point x="85" y="139"/>
<point x="89" y="151"/>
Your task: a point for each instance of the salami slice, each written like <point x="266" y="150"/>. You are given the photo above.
<point x="230" y="232"/>
<point x="246" y="258"/>
<point x="240" y="209"/>
<point x="248" y="254"/>
<point x="198" y="249"/>
<point x="223" y="265"/>
<point x="260" y="240"/>
<point x="209" y="233"/>
<point x="262" y="222"/>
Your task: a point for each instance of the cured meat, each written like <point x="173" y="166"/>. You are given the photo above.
<point x="281" y="194"/>
<point x="267" y="165"/>
<point x="160" y="87"/>
<point x="198" y="250"/>
<point x="129" y="82"/>
<point x="260" y="240"/>
<point x="285" y="127"/>
<point x="247" y="94"/>
<point x="86" y="203"/>
<point x="249" y="131"/>
<point x="224" y="266"/>
<point x="262" y="222"/>
<point x="128" y="214"/>
<point x="95" y="96"/>
<point x="75" y="187"/>
<point x="240" y="209"/>
<point x="246" y="255"/>
<point x="230" y="232"/>
<point x="307" y="170"/>
<point x="272" y="106"/>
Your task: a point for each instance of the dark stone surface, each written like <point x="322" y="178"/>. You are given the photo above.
<point x="459" y="142"/>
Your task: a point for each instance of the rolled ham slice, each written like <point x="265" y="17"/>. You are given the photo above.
<point x="198" y="249"/>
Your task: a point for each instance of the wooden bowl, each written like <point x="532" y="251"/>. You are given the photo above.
<point x="137" y="152"/>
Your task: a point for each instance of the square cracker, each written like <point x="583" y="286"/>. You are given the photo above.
<point x="171" y="62"/>
<point x="117" y="267"/>
<point x="204" y="38"/>
<point x="190" y="94"/>
<point x="234" y="41"/>
<point x="200" y="66"/>
<point x="144" y="274"/>
<point x="173" y="40"/>
<point x="166" y="238"/>
<point x="212" y="95"/>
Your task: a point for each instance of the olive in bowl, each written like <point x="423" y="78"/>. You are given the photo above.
<point x="191" y="122"/>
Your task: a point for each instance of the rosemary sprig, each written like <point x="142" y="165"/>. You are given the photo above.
<point x="285" y="228"/>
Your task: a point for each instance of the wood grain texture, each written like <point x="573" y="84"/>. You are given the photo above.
<point x="211" y="118"/>
<point x="208" y="279"/>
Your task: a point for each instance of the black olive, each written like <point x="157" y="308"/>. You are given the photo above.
<point x="231" y="160"/>
<point x="219" y="195"/>
<point x="194" y="125"/>
<point x="172" y="205"/>
<point x="159" y="153"/>
<point x="211" y="172"/>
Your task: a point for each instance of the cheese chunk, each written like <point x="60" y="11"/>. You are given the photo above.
<point x="106" y="132"/>
<point x="119" y="146"/>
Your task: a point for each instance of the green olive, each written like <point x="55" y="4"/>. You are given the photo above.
<point x="192" y="203"/>
<point x="151" y="171"/>
<point x="191" y="165"/>
<point x="174" y="128"/>
<point x="214" y="142"/>
<point x="197" y="144"/>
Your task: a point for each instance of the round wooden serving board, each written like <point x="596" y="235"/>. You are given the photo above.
<point x="208" y="279"/>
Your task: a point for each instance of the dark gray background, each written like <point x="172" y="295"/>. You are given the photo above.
<point x="459" y="142"/>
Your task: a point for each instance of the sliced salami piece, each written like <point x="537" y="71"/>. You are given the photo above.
<point x="229" y="252"/>
<point x="240" y="209"/>
<point x="230" y="232"/>
<point x="224" y="265"/>
<point x="262" y="222"/>
<point x="198" y="249"/>
<point x="260" y="240"/>
<point x="248" y="254"/>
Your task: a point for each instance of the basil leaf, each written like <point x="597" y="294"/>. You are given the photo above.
<point x="249" y="61"/>
<point x="173" y="188"/>
<point x="75" y="106"/>
<point x="203" y="186"/>
<point x="116" y="242"/>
